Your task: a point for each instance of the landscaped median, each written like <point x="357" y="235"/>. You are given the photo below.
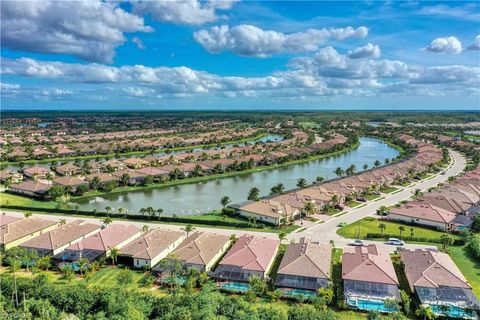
<point x="371" y="228"/>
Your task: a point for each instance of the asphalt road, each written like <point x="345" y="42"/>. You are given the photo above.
<point x="323" y="232"/>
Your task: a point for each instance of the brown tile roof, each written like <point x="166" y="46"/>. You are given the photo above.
<point x="32" y="171"/>
<point x="62" y="235"/>
<point x="32" y="186"/>
<point x="268" y="208"/>
<point x="370" y="263"/>
<point x="23" y="227"/>
<point x="70" y="181"/>
<point x="107" y="238"/>
<point x="426" y="211"/>
<point x="308" y="259"/>
<point x="201" y="247"/>
<point x="431" y="269"/>
<point x="151" y="244"/>
<point x="6" y="219"/>
<point x="252" y="253"/>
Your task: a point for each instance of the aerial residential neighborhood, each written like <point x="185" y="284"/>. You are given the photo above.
<point x="239" y="160"/>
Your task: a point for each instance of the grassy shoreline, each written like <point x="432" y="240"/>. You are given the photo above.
<point x="132" y="153"/>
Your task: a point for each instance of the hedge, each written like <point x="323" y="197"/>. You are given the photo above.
<point x="137" y="217"/>
<point x="459" y="242"/>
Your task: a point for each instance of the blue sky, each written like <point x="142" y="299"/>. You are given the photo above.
<point x="240" y="55"/>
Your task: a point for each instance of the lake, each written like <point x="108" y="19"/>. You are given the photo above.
<point x="201" y="197"/>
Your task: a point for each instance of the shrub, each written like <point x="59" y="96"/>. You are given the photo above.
<point x="474" y="246"/>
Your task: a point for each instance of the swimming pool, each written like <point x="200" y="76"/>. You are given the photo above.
<point x="235" y="286"/>
<point x="299" y="294"/>
<point x="453" y="311"/>
<point x="369" y="305"/>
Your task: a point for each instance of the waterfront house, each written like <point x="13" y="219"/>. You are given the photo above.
<point x="72" y="182"/>
<point x="36" y="172"/>
<point x="32" y="188"/>
<point x="249" y="256"/>
<point x="369" y="277"/>
<point x="424" y="214"/>
<point x="266" y="210"/>
<point x="6" y="219"/>
<point x="154" y="172"/>
<point x="305" y="265"/>
<point x="114" y="164"/>
<point x="135" y="163"/>
<point x="437" y="282"/>
<point x="14" y="176"/>
<point x="151" y="247"/>
<point x="134" y="176"/>
<point x="100" y="244"/>
<point x="55" y="241"/>
<point x="200" y="251"/>
<point x="68" y="169"/>
<point x="15" y="231"/>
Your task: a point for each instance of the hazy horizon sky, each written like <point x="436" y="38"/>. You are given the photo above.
<point x="234" y="55"/>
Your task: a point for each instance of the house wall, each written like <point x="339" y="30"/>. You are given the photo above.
<point x="28" y="237"/>
<point x="60" y="249"/>
<point x="423" y="222"/>
<point x="217" y="257"/>
<point x="267" y="270"/>
<point x="262" y="218"/>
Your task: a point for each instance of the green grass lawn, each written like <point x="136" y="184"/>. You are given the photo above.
<point x="370" y="225"/>
<point x="107" y="277"/>
<point x="11" y="199"/>
<point x="468" y="265"/>
<point x="353" y="204"/>
<point x="389" y="189"/>
<point x="372" y="197"/>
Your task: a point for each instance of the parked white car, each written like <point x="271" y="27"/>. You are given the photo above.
<point x="357" y="243"/>
<point x="395" y="242"/>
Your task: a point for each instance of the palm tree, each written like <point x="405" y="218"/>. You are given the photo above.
<point x="382" y="227"/>
<point x="106" y="221"/>
<point x="282" y="235"/>
<point x="82" y="265"/>
<point x="365" y="166"/>
<point x="62" y="222"/>
<point x="159" y="212"/>
<point x="277" y="189"/>
<point x="446" y="240"/>
<point x="108" y="209"/>
<point x="339" y="172"/>
<point x="401" y="229"/>
<point x="335" y="199"/>
<point x="377" y="163"/>
<point x="96" y="182"/>
<point x="417" y="193"/>
<point x="114" y="252"/>
<point x="120" y="211"/>
<point x="224" y="201"/>
<point x="145" y="228"/>
<point x="233" y="237"/>
<point x="411" y="232"/>
<point x="425" y="311"/>
<point x="8" y="182"/>
<point x="253" y="194"/>
<point x="125" y="178"/>
<point x="142" y="211"/>
<point x="27" y="214"/>
<point x="188" y="228"/>
<point x="320" y="179"/>
<point x="309" y="208"/>
<point x="301" y="182"/>
<point x="382" y="211"/>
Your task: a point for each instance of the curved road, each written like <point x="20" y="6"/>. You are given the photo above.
<point x="326" y="231"/>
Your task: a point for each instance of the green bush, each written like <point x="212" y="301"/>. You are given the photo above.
<point x="371" y="235"/>
<point x="474" y="246"/>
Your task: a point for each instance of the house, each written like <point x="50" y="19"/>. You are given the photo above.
<point x="200" y="251"/>
<point x="72" y="182"/>
<point x="103" y="178"/>
<point x="33" y="188"/>
<point x="437" y="282"/>
<point x="423" y="214"/>
<point x="133" y="176"/>
<point x="100" y="244"/>
<point x="266" y="210"/>
<point x="113" y="164"/>
<point x="55" y="241"/>
<point x="369" y="277"/>
<point x="150" y="248"/>
<point x="154" y="172"/>
<point x="15" y="177"/>
<point x="135" y="163"/>
<point x="249" y="256"/>
<point x="68" y="169"/>
<point x="15" y="231"/>
<point x="36" y="172"/>
<point x="305" y="265"/>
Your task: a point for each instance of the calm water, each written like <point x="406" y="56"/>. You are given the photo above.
<point x="205" y="196"/>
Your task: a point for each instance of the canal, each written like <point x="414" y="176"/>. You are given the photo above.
<point x="197" y="198"/>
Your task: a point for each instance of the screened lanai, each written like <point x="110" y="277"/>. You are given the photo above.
<point x="459" y="297"/>
<point x="300" y="282"/>
<point x="370" y="290"/>
<point x="235" y="273"/>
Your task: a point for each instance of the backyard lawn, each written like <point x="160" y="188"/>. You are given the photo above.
<point x="107" y="277"/>
<point x="468" y="265"/>
<point x="11" y="199"/>
<point x="359" y="229"/>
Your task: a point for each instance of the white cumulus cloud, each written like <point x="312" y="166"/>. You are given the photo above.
<point x="445" y="45"/>
<point x="189" y="12"/>
<point x="367" y="51"/>
<point x="248" y="40"/>
<point x="90" y="30"/>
